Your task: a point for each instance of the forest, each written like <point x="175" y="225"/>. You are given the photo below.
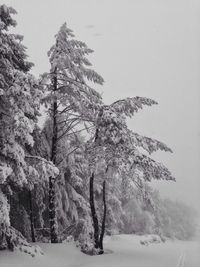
<point x="84" y="174"/>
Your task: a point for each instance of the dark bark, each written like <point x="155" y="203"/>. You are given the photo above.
<point x="52" y="193"/>
<point x="52" y="212"/>
<point x="55" y="133"/>
<point x="93" y="213"/>
<point x="103" y="220"/>
<point x="31" y="217"/>
<point x="10" y="244"/>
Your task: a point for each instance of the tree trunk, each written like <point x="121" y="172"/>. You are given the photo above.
<point x="103" y="220"/>
<point x="93" y="213"/>
<point x="52" y="193"/>
<point x="52" y="211"/>
<point x="31" y="217"/>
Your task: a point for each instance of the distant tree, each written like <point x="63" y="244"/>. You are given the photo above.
<point x="173" y="219"/>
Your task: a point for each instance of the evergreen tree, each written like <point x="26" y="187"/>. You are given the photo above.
<point x="19" y="104"/>
<point x="70" y="100"/>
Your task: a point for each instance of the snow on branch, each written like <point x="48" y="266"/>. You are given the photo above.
<point x="129" y="106"/>
<point x="38" y="158"/>
<point x="151" y="169"/>
<point x="5" y="171"/>
<point x="48" y="167"/>
<point x="149" y="144"/>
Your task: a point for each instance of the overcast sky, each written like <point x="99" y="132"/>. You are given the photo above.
<point x="141" y="47"/>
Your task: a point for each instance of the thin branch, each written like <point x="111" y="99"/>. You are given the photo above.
<point x="65" y="109"/>
<point x="68" y="155"/>
<point x="79" y="131"/>
<point x="39" y="158"/>
<point x="70" y="127"/>
<point x="75" y="83"/>
<point x="80" y="117"/>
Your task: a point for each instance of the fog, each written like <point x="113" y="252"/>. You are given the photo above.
<point x="141" y="47"/>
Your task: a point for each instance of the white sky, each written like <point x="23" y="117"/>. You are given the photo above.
<point x="142" y="47"/>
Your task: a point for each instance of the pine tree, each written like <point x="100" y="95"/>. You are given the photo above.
<point x="73" y="213"/>
<point x="70" y="100"/>
<point x="19" y="104"/>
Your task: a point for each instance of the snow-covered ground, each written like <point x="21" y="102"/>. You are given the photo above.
<point x="127" y="251"/>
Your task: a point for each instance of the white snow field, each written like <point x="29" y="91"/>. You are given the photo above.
<point x="127" y="251"/>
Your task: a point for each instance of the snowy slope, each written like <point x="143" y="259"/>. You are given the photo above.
<point x="126" y="252"/>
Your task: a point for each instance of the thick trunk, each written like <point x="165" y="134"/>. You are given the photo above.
<point x="103" y="220"/>
<point x="31" y="217"/>
<point x="52" y="193"/>
<point x="93" y="213"/>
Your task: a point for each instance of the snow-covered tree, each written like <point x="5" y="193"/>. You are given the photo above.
<point x="117" y="146"/>
<point x="19" y="104"/>
<point x="173" y="219"/>
<point x="70" y="100"/>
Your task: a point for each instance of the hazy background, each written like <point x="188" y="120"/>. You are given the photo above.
<point x="142" y="47"/>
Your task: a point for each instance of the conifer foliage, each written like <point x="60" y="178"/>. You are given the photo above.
<point x="19" y="104"/>
<point x="69" y="99"/>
